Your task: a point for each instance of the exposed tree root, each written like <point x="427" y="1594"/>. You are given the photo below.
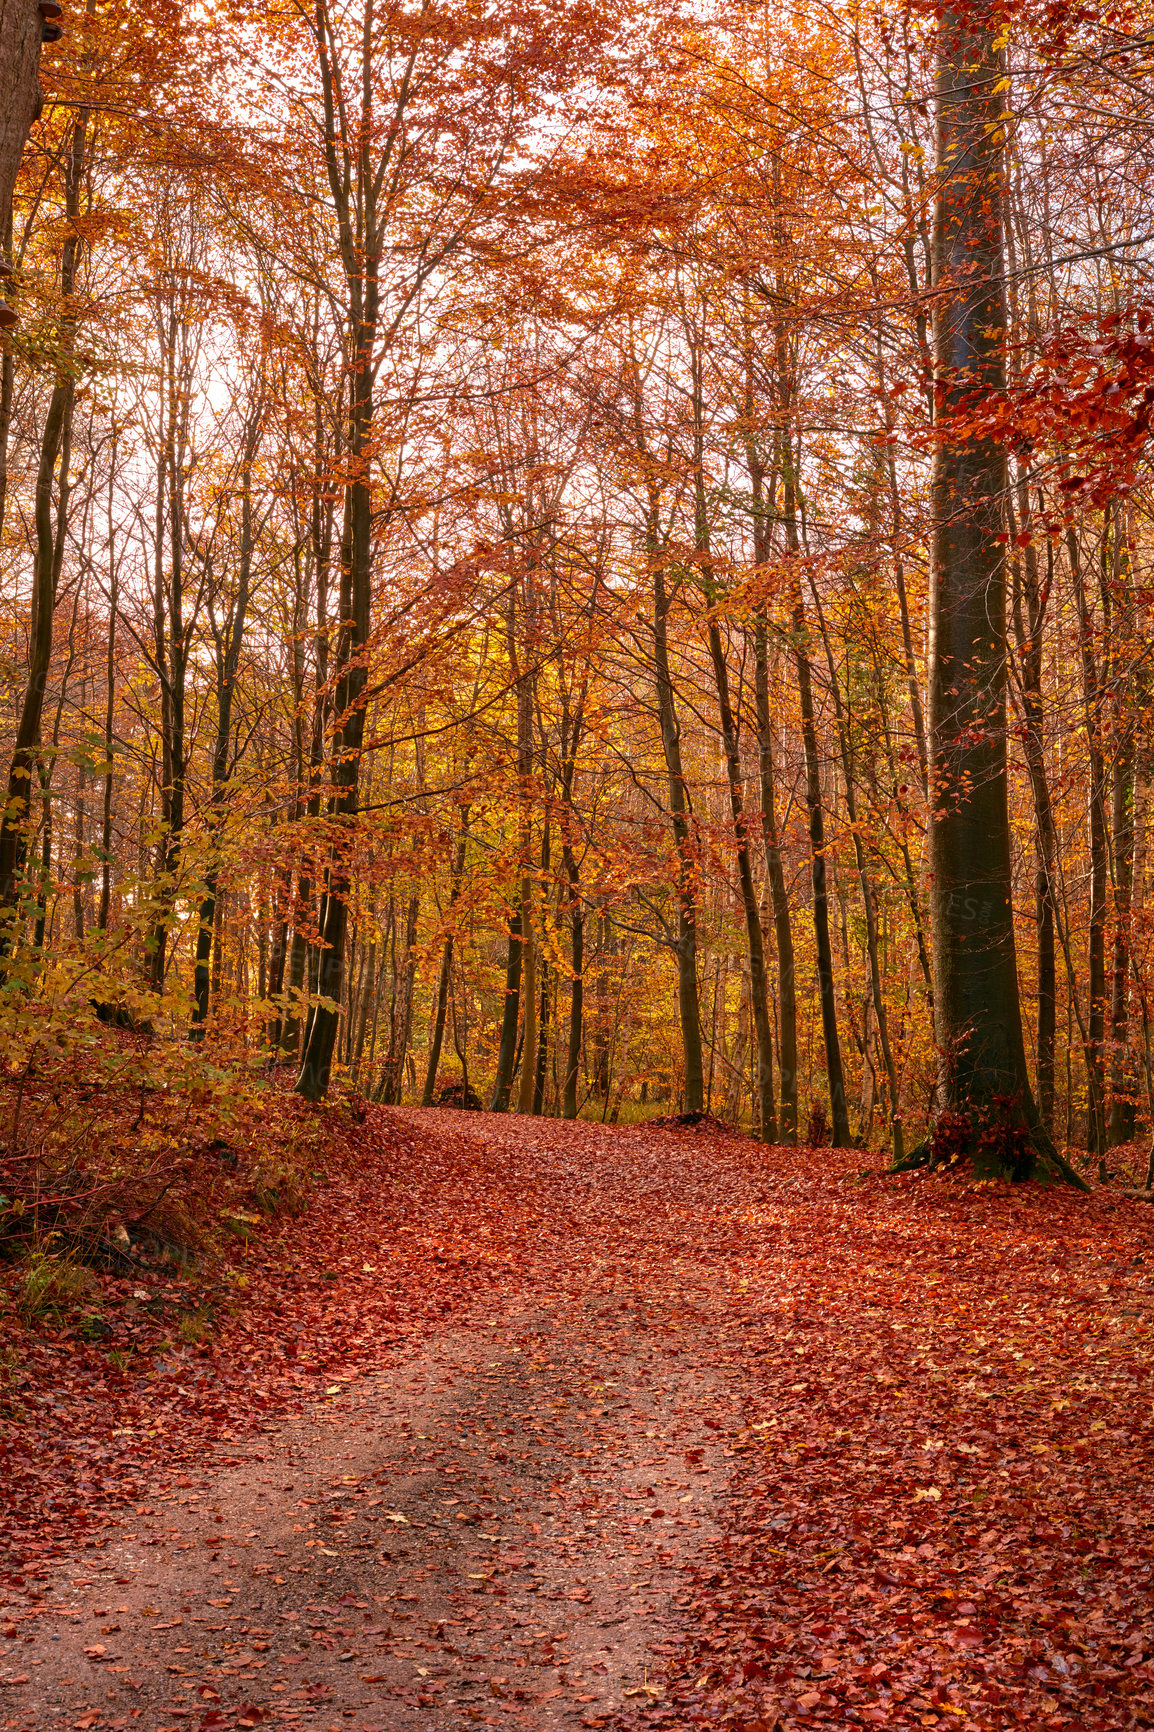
<point x="1022" y="1150"/>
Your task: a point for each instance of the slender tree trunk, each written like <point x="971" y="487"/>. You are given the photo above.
<point x="366" y="998"/>
<point x="835" y="1075"/>
<point x="1116" y="576"/>
<point x="392" y="1079"/>
<point x="533" y="1078"/>
<point x="1029" y="624"/>
<point x="19" y="35"/>
<point x="7" y="381"/>
<point x="277" y="961"/>
<point x="577" y="989"/>
<point x="170" y="626"/>
<point x="13" y="825"/>
<point x="457" y="872"/>
<point x="79" y="815"/>
<point x="1122" y="1106"/>
<point x="766" y="1114"/>
<point x="529" y="998"/>
<point x="680" y="809"/>
<point x="689" y="1010"/>
<point x="1099" y="865"/>
<point x="543" y="1043"/>
<point x="228" y="642"/>
<point x="775" y="872"/>
<point x="736" y="1059"/>
<point x="354" y="184"/>
<point x="510" y="1014"/>
<point x="109" y="708"/>
<point x="45" y="875"/>
<point x="877" y="998"/>
<point x="520" y="936"/>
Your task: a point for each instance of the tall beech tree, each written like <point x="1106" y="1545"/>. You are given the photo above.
<point x="984" y="1082"/>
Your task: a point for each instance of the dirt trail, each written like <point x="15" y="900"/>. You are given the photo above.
<point x="690" y="1433"/>
<point x="487" y="1530"/>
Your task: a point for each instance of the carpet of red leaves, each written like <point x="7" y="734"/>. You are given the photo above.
<point x="381" y="1253"/>
<point x="938" y="1512"/>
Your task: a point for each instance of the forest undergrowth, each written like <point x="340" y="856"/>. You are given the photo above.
<point x="931" y="1508"/>
<point x="131" y="1347"/>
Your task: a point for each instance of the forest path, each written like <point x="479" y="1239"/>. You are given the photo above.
<point x="487" y="1529"/>
<point x="738" y="1435"/>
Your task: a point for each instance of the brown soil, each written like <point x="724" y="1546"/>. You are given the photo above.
<point x="488" y="1530"/>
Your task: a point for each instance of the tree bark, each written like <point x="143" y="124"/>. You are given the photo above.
<point x="1028" y="629"/>
<point x="456" y="875"/>
<point x="689" y="1010"/>
<point x="766" y="1113"/>
<point x="20" y="37"/>
<point x="228" y="641"/>
<point x="835" y="1075"/>
<point x="771" y="844"/>
<point x="876" y="987"/>
<point x="978" y="1022"/>
<point x="520" y="937"/>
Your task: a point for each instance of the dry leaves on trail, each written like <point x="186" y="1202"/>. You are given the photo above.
<point x="935" y="1400"/>
<point x="382" y="1251"/>
<point x="935" y="1514"/>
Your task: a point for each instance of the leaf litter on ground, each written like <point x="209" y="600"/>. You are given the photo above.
<point x="924" y="1406"/>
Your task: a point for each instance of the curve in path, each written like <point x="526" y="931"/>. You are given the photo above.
<point x="745" y="1438"/>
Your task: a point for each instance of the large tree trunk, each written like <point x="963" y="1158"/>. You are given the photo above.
<point x="21" y="28"/>
<point x="978" y="1022"/>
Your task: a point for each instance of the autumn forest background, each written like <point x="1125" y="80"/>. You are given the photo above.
<point x="464" y="505"/>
